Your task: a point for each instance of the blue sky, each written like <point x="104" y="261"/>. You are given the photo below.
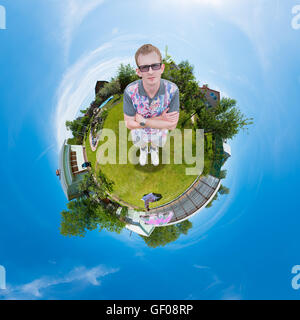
<point x="51" y="55"/>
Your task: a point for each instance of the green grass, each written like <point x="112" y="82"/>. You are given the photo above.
<point x="132" y="181"/>
<point x="91" y="155"/>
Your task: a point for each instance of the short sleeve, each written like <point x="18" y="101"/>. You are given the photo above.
<point x="174" y="104"/>
<point x="128" y="107"/>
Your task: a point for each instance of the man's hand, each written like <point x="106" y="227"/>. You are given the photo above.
<point x="172" y="116"/>
<point x="164" y="121"/>
<point x="139" y="118"/>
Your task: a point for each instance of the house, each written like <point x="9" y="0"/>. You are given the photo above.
<point x="71" y="172"/>
<point x="212" y="96"/>
<point x="226" y="150"/>
<point x="135" y="224"/>
<point x="99" y="85"/>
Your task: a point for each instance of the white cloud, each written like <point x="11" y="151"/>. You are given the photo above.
<point x="115" y="30"/>
<point x="44" y="152"/>
<point x="36" y="288"/>
<point x="201" y="267"/>
<point x="187" y="3"/>
<point x="216" y="288"/>
<point x="77" y="88"/>
<point x="187" y="241"/>
<point x="140" y="254"/>
<point x="257" y="19"/>
<point x="231" y="293"/>
<point x="73" y="14"/>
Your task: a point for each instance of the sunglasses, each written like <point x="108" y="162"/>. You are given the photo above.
<point x="154" y="66"/>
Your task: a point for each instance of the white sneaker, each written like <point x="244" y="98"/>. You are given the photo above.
<point x="154" y="156"/>
<point x="143" y="155"/>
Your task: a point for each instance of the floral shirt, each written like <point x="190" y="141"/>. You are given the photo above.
<point x="136" y="100"/>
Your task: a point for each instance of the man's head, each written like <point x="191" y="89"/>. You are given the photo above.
<point x="149" y="55"/>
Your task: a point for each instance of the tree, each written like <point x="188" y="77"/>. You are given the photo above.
<point x="89" y="211"/>
<point x="108" y="220"/>
<point x="75" y="141"/>
<point x="98" y="186"/>
<point x="78" y="127"/>
<point x="222" y="174"/>
<point x="212" y="200"/>
<point x="87" y="214"/>
<point x="222" y="190"/>
<point x="164" y="235"/>
<point x="126" y="75"/>
<point x="79" y="218"/>
<point x="224" y="121"/>
<point x="182" y="75"/>
<point x="109" y="89"/>
<point x="105" y="182"/>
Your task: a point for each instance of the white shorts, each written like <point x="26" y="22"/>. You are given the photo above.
<point x="140" y="137"/>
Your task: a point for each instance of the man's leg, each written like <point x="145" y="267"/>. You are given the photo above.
<point x="140" y="143"/>
<point x="143" y="153"/>
<point x="156" y="142"/>
<point x="154" y="153"/>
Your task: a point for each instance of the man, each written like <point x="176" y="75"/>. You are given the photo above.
<point x="151" y="104"/>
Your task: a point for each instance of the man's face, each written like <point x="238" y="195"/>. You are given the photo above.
<point x="151" y="77"/>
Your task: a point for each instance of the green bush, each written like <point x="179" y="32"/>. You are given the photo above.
<point x="126" y="75"/>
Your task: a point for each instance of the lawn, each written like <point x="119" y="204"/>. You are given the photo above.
<point x="132" y="181"/>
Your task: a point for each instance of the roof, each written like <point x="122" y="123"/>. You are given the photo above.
<point x="227" y="148"/>
<point x="135" y="224"/>
<point x="70" y="177"/>
<point x="191" y="201"/>
<point x="135" y="220"/>
<point x="138" y="228"/>
<point x="65" y="175"/>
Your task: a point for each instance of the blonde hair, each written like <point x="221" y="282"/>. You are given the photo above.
<point x="146" y="49"/>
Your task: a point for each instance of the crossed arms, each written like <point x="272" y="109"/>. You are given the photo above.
<point x="164" y="121"/>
